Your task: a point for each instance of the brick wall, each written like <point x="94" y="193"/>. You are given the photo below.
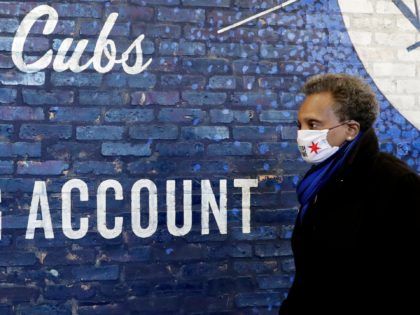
<point x="210" y="106"/>
<point x="385" y="34"/>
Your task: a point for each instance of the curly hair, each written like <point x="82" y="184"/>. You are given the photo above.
<point x="354" y="99"/>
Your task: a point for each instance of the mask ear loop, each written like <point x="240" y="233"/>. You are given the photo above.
<point x="343" y="123"/>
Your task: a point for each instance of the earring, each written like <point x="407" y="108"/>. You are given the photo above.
<point x="349" y="138"/>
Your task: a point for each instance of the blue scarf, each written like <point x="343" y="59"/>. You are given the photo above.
<point x="319" y="175"/>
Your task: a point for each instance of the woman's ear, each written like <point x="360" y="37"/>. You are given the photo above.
<point x="353" y="129"/>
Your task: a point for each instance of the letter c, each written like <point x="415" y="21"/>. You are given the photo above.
<point x="23" y="31"/>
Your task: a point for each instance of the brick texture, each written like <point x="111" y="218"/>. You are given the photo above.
<point x="210" y="106"/>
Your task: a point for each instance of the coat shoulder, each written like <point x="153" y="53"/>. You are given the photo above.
<point x="389" y="167"/>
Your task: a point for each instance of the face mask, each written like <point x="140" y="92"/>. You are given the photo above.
<point x="313" y="145"/>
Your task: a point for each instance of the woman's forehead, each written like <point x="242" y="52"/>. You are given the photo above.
<point x="317" y="106"/>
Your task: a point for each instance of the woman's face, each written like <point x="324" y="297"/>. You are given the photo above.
<point x="316" y="113"/>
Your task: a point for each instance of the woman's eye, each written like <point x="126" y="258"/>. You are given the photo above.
<point x="311" y="125"/>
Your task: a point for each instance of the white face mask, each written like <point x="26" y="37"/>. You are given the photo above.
<point x="313" y="145"/>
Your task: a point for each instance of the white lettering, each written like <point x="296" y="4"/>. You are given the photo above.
<point x="246" y="184"/>
<point x="135" y="208"/>
<point x="66" y="208"/>
<point x="208" y="200"/>
<point x="23" y="31"/>
<point x="104" y="46"/>
<point x="170" y="204"/>
<point x="101" y="208"/>
<point x="39" y="198"/>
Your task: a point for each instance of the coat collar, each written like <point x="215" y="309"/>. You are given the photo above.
<point x="363" y="153"/>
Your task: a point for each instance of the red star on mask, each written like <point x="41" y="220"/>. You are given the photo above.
<point x="314" y="148"/>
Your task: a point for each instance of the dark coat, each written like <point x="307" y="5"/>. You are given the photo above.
<point x="357" y="250"/>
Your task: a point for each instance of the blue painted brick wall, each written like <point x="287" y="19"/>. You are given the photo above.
<point x="210" y="106"/>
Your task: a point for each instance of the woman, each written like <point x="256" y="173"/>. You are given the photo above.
<point x="356" y="241"/>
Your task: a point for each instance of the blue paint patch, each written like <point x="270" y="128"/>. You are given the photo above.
<point x="263" y="148"/>
<point x="235" y="212"/>
<point x="225" y="167"/>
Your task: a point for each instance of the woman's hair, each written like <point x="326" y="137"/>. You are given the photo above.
<point x="354" y="99"/>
